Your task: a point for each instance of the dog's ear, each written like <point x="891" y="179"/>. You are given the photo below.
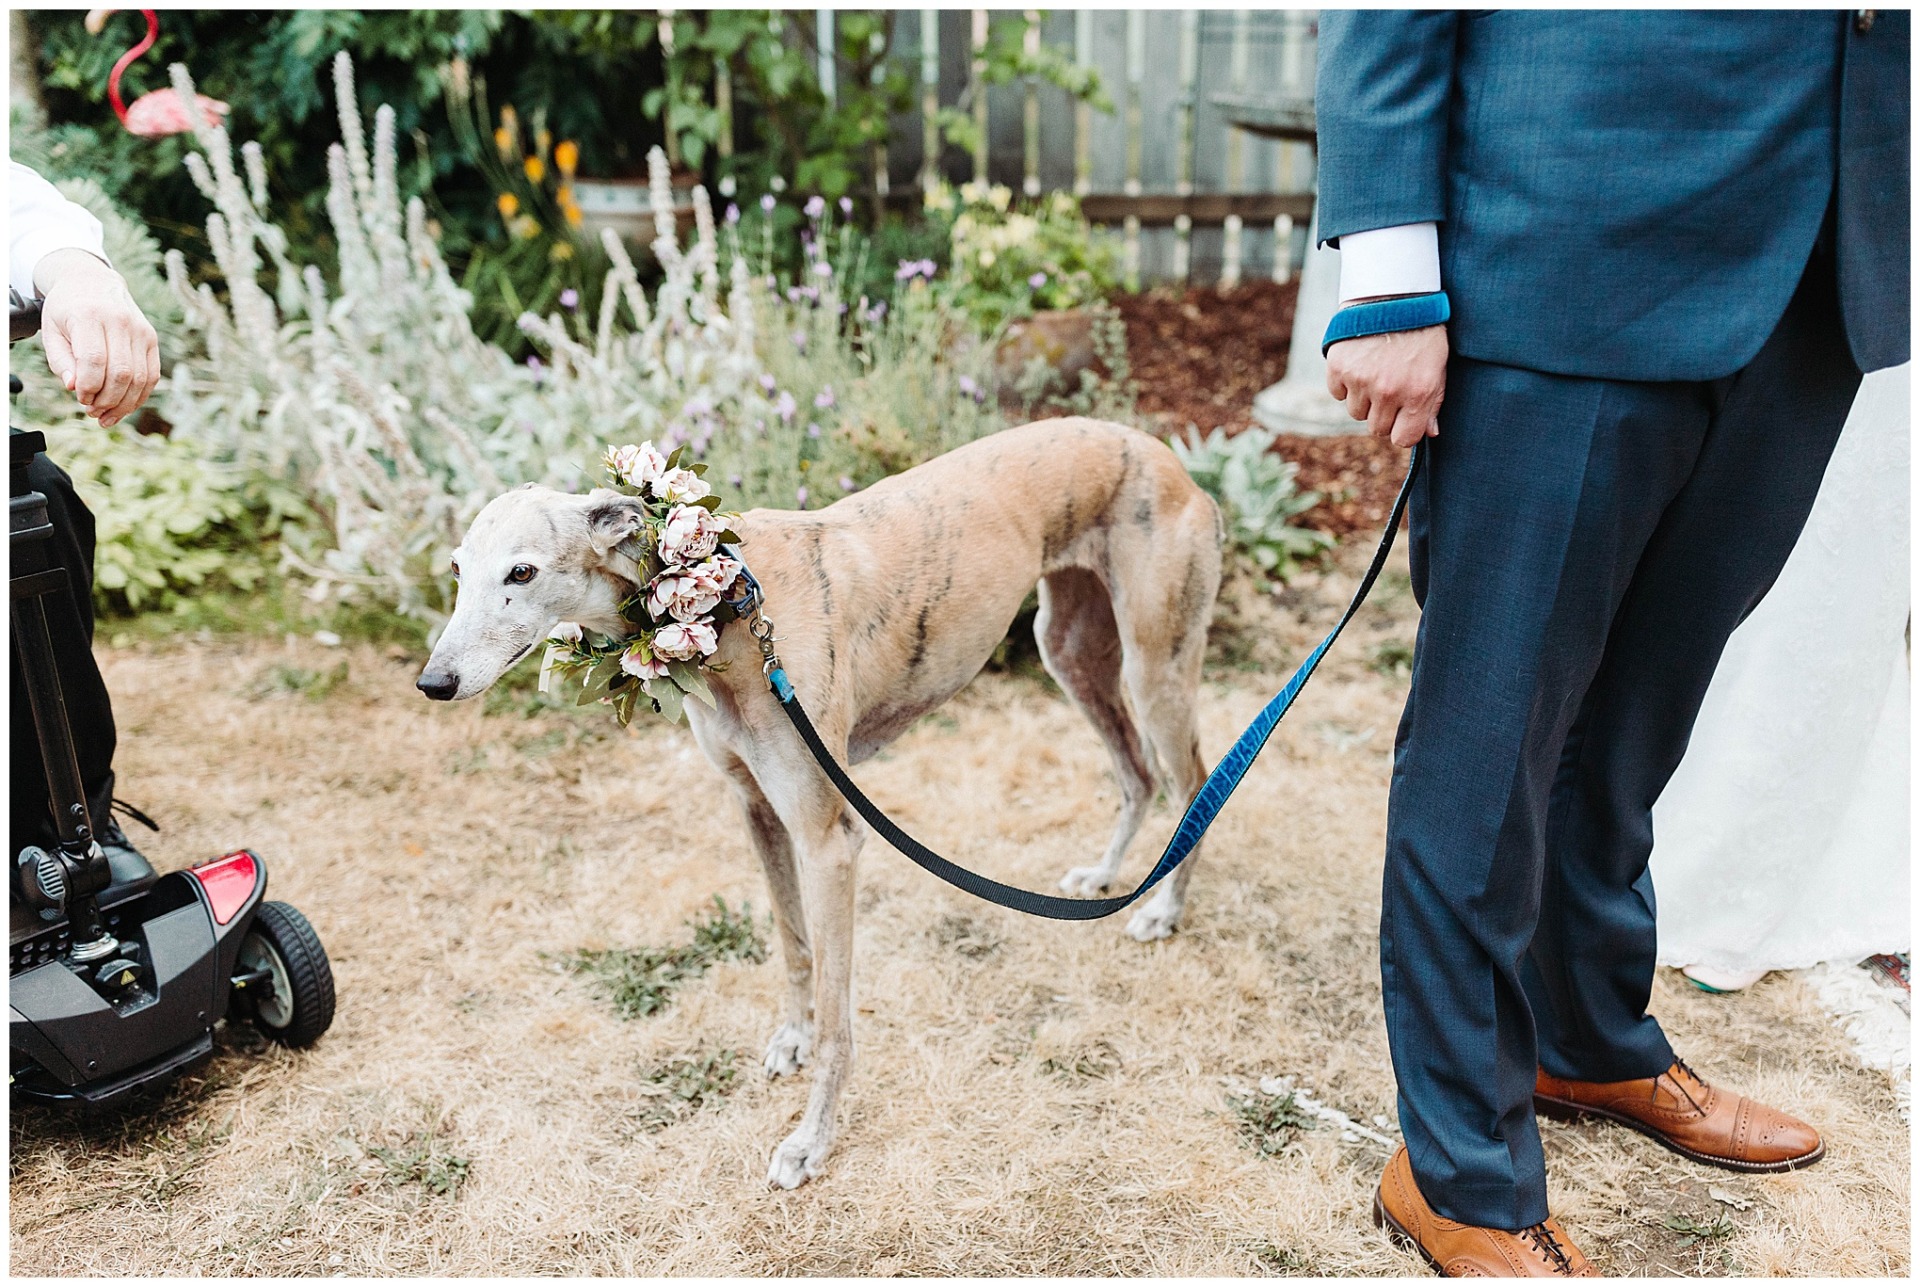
<point x="612" y="518"/>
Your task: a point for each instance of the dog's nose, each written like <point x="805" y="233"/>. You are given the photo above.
<point x="439" y="687"/>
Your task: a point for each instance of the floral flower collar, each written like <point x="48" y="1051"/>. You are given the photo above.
<point x="688" y="590"/>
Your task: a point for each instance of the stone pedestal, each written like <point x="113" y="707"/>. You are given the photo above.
<point x="1300" y="402"/>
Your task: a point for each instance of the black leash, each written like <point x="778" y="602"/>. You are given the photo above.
<point x="1207" y="802"/>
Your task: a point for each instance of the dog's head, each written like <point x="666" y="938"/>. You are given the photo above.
<point x="533" y="558"/>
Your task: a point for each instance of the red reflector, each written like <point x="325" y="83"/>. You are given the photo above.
<point x="229" y="882"/>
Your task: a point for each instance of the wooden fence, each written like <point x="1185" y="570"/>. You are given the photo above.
<point x="1193" y="196"/>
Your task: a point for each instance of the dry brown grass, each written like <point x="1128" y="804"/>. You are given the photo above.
<point x="1029" y="1097"/>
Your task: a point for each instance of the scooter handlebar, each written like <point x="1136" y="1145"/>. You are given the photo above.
<point x="22" y="322"/>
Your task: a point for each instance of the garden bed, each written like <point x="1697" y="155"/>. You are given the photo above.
<point x="1201" y="354"/>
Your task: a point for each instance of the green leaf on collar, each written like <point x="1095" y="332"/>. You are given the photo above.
<point x="687" y="675"/>
<point x="667" y="698"/>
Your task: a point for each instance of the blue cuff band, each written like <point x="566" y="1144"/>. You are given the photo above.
<point x="1381" y="316"/>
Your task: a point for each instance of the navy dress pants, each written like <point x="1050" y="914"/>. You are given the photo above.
<point x="1581" y="550"/>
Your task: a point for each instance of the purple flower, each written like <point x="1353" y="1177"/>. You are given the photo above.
<point x="733" y="213"/>
<point x="767" y="381"/>
<point x="824" y="399"/>
<point x="801" y="496"/>
<point x="967" y="386"/>
<point x="569" y="299"/>
<point x="766" y="203"/>
<point x="907" y="271"/>
<point x="1037" y="280"/>
<point x="816" y="206"/>
<point x="813" y="431"/>
<point x="736" y="481"/>
<point x="846" y="205"/>
<point x="877" y="312"/>
<point x="846" y="483"/>
<point x="786" y="406"/>
<point x="927" y="269"/>
<point x="799" y="339"/>
<point x="823" y="269"/>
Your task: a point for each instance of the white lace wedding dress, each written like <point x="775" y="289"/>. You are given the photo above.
<point x="1783" y="838"/>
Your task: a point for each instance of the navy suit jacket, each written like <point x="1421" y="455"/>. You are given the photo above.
<point x="1621" y="194"/>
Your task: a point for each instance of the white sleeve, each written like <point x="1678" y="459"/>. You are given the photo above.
<point x="1403" y="260"/>
<point x="41" y="221"/>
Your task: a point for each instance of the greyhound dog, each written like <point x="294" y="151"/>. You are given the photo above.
<point x="888" y="602"/>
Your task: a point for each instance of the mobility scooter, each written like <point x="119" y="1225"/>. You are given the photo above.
<point x="116" y="974"/>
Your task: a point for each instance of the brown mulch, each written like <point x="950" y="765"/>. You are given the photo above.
<point x="1201" y="354"/>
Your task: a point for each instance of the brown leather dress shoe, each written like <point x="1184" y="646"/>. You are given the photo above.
<point x="1690" y="1117"/>
<point x="1466" y="1251"/>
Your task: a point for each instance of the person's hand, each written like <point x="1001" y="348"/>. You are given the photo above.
<point x="97" y="340"/>
<point x="1394" y="382"/>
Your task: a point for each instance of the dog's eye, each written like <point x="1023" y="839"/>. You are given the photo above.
<point x="521" y="574"/>
<point x="456" y="569"/>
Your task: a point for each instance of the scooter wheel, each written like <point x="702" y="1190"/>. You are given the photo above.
<point x="300" y="1007"/>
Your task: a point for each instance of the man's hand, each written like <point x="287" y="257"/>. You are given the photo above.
<point x="97" y="340"/>
<point x="1393" y="381"/>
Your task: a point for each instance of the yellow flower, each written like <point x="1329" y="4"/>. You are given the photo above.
<point x="536" y="169"/>
<point x="503" y="141"/>
<point x="561" y="250"/>
<point x="543" y="140"/>
<point x="526" y="226"/>
<point x="567" y="156"/>
<point x="509" y="205"/>
<point x="568" y="206"/>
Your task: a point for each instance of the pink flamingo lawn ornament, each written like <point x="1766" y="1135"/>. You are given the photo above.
<point x="161" y="112"/>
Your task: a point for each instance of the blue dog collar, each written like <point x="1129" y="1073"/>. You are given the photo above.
<point x="1383" y="315"/>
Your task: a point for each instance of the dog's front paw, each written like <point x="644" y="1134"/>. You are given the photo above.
<point x="1158" y="919"/>
<point x="789" y="1049"/>
<point x="1085" y="882"/>
<point x="800" y="1157"/>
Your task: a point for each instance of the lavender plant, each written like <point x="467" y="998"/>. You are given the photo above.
<point x="367" y="411"/>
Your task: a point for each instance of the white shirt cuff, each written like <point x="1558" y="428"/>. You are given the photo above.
<point x="41" y="222"/>
<point x="1403" y="260"/>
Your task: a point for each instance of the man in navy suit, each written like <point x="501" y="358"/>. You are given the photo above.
<point x="1670" y="244"/>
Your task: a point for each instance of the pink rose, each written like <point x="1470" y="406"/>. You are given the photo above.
<point x="692" y="593"/>
<point x="690" y="535"/>
<point x="680" y="486"/>
<point x="685" y="640"/>
<point x="639" y="466"/>
<point x="633" y="662"/>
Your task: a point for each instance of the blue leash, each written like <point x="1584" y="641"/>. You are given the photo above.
<point x="1207" y="802"/>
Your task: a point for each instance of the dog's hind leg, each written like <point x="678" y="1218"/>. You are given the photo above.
<point x="1164" y="648"/>
<point x="1080" y="646"/>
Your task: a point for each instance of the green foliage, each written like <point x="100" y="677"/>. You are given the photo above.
<point x="423" y="1160"/>
<point x="641" y="981"/>
<point x="1257" y="491"/>
<point x="282" y="680"/>
<point x="166" y="521"/>
<point x="681" y="1087"/>
<point x="271" y="67"/>
<point x="1394" y="659"/>
<point x="1011" y="259"/>
<point x="784" y="127"/>
<point x="1268" y="1123"/>
<point x="863" y="381"/>
<point x="1694" y="1230"/>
